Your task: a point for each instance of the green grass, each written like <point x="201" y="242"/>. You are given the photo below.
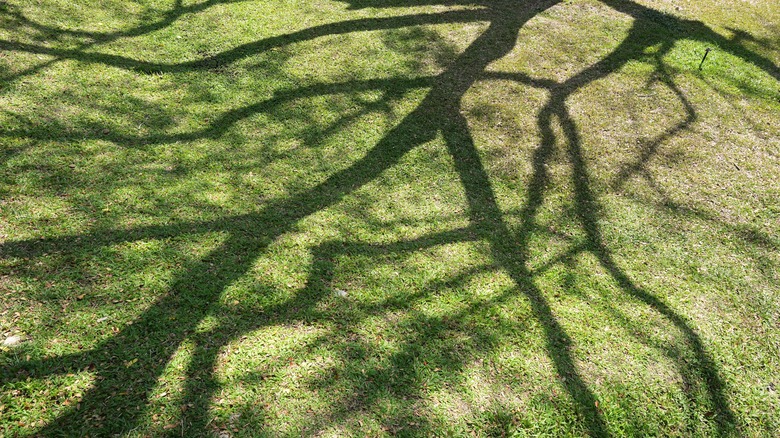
<point x="547" y="220"/>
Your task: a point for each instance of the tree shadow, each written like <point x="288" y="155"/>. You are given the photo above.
<point x="124" y="383"/>
<point x="12" y="19"/>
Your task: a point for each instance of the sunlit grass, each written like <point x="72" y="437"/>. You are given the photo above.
<point x="247" y="218"/>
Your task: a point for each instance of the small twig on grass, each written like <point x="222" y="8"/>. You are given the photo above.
<point x="706" y="52"/>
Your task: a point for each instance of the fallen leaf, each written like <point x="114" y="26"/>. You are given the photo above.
<point x="12" y="341"/>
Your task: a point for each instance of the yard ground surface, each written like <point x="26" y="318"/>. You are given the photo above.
<point x="368" y="217"/>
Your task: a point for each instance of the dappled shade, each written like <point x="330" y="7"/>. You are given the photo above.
<point x="123" y="383"/>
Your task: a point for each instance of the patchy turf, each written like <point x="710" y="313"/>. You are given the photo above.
<point x="251" y="218"/>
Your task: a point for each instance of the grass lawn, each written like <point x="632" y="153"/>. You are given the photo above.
<point x="380" y="217"/>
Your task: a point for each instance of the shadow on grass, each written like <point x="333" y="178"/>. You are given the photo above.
<point x="124" y="382"/>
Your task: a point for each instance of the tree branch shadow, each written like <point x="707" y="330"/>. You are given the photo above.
<point x="123" y="383"/>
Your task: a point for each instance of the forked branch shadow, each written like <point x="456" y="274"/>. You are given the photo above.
<point x="124" y="384"/>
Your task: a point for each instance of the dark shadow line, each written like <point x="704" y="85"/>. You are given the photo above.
<point x="228" y="119"/>
<point x="561" y="258"/>
<point x="171" y="15"/>
<point x="413" y="130"/>
<point x="404" y="378"/>
<point x="484" y="211"/>
<point x="511" y="254"/>
<point x="242" y="51"/>
<point x="102" y="38"/>
<point x="522" y="78"/>
<point x="693" y="29"/>
<point x="87" y="360"/>
<point x="650" y="148"/>
<point x="249" y="237"/>
<point x="742" y="232"/>
<point x="705" y="366"/>
<point x="587" y="209"/>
